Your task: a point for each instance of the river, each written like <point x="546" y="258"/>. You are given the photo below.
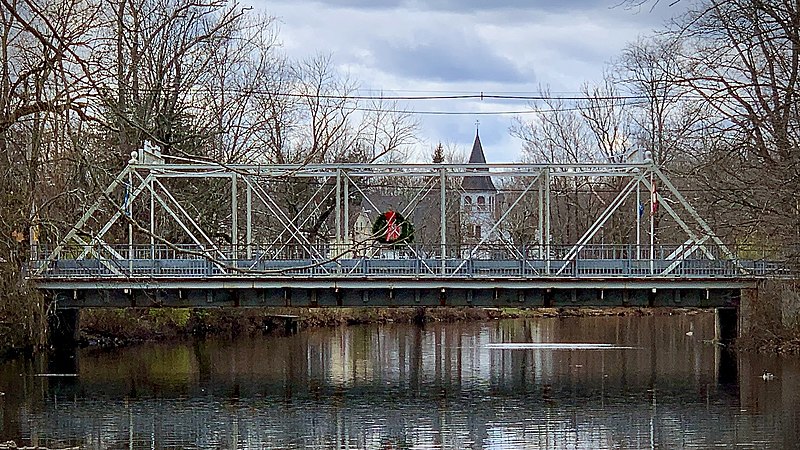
<point x="441" y="385"/>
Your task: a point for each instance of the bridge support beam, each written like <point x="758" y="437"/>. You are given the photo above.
<point x="63" y="326"/>
<point x="313" y="293"/>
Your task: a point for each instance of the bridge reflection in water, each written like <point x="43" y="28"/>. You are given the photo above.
<point x="404" y="386"/>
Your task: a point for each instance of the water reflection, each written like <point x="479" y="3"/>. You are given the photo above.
<point x="399" y="386"/>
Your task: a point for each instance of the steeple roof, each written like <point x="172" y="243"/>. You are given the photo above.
<point x="477" y="156"/>
<point x="478" y="183"/>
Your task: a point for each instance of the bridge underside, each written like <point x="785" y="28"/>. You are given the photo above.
<point x="247" y="292"/>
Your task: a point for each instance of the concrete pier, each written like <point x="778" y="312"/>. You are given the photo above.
<point x="288" y="324"/>
<point x="63" y="326"/>
<point x="726" y="325"/>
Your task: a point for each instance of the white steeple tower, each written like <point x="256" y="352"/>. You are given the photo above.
<point x="478" y="195"/>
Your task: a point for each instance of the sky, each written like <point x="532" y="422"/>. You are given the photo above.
<point x="443" y="47"/>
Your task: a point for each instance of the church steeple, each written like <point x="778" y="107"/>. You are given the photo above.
<point x="477" y="156"/>
<point x="482" y="183"/>
<point x="478" y="197"/>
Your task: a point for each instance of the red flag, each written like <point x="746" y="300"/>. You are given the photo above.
<point x="392" y="227"/>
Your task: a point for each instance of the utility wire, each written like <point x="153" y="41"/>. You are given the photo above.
<point x="627" y="100"/>
<point x="466" y="96"/>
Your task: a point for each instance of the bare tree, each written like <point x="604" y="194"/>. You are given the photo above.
<point x="165" y="54"/>
<point x="742" y="57"/>
<point x="42" y="88"/>
<point x="666" y="117"/>
<point x="590" y="130"/>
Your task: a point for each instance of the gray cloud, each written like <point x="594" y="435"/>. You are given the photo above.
<point x="465" y="46"/>
<point x="448" y="60"/>
<point x="653" y="13"/>
<point x="466" y="6"/>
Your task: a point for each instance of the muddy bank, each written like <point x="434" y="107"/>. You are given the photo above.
<point x="117" y="327"/>
<point x="784" y="344"/>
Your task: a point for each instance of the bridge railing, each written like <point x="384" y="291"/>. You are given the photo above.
<point x="417" y="260"/>
<point x="331" y="251"/>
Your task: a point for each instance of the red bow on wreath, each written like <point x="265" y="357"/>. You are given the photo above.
<point x="393" y="229"/>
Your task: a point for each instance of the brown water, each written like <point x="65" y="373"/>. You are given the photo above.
<point x="402" y="386"/>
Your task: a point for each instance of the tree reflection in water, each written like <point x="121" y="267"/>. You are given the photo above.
<point x="400" y="386"/>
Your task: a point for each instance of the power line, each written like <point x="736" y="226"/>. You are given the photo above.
<point x="466" y="96"/>
<point x="627" y="100"/>
<point x="408" y="111"/>
<point x="479" y="113"/>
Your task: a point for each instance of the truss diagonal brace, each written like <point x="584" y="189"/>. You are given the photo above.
<point x="182" y="225"/>
<point x="696" y="216"/>
<point x="99" y="236"/>
<point x="598" y="224"/>
<point x="85" y="218"/>
<point x="671" y="211"/>
<point x="104" y="262"/>
<point x="275" y="209"/>
<point x="186" y="214"/>
<point x="685" y="255"/>
<point x="499" y="221"/>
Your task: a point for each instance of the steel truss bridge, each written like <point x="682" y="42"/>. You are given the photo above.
<point x="168" y="232"/>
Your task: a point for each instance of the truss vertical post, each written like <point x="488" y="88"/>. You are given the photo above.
<point x="152" y="222"/>
<point x="338" y="238"/>
<point x="540" y="231"/>
<point x="346" y="199"/>
<point x="638" y="220"/>
<point x="129" y="212"/>
<point x="652" y="224"/>
<point x="442" y="223"/>
<point x="234" y="218"/>
<point x="546" y="179"/>
<point x="249" y="206"/>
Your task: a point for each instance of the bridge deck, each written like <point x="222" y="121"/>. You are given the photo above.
<point x="399" y="282"/>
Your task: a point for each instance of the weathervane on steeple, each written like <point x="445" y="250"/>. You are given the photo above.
<point x="477" y="125"/>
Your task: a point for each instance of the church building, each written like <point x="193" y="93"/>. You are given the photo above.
<point x="478" y="198"/>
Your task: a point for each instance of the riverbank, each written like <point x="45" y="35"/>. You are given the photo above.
<point x="774" y="325"/>
<point x="119" y="327"/>
<point x="23" y="324"/>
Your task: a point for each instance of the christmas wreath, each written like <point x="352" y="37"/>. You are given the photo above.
<point x="392" y="228"/>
